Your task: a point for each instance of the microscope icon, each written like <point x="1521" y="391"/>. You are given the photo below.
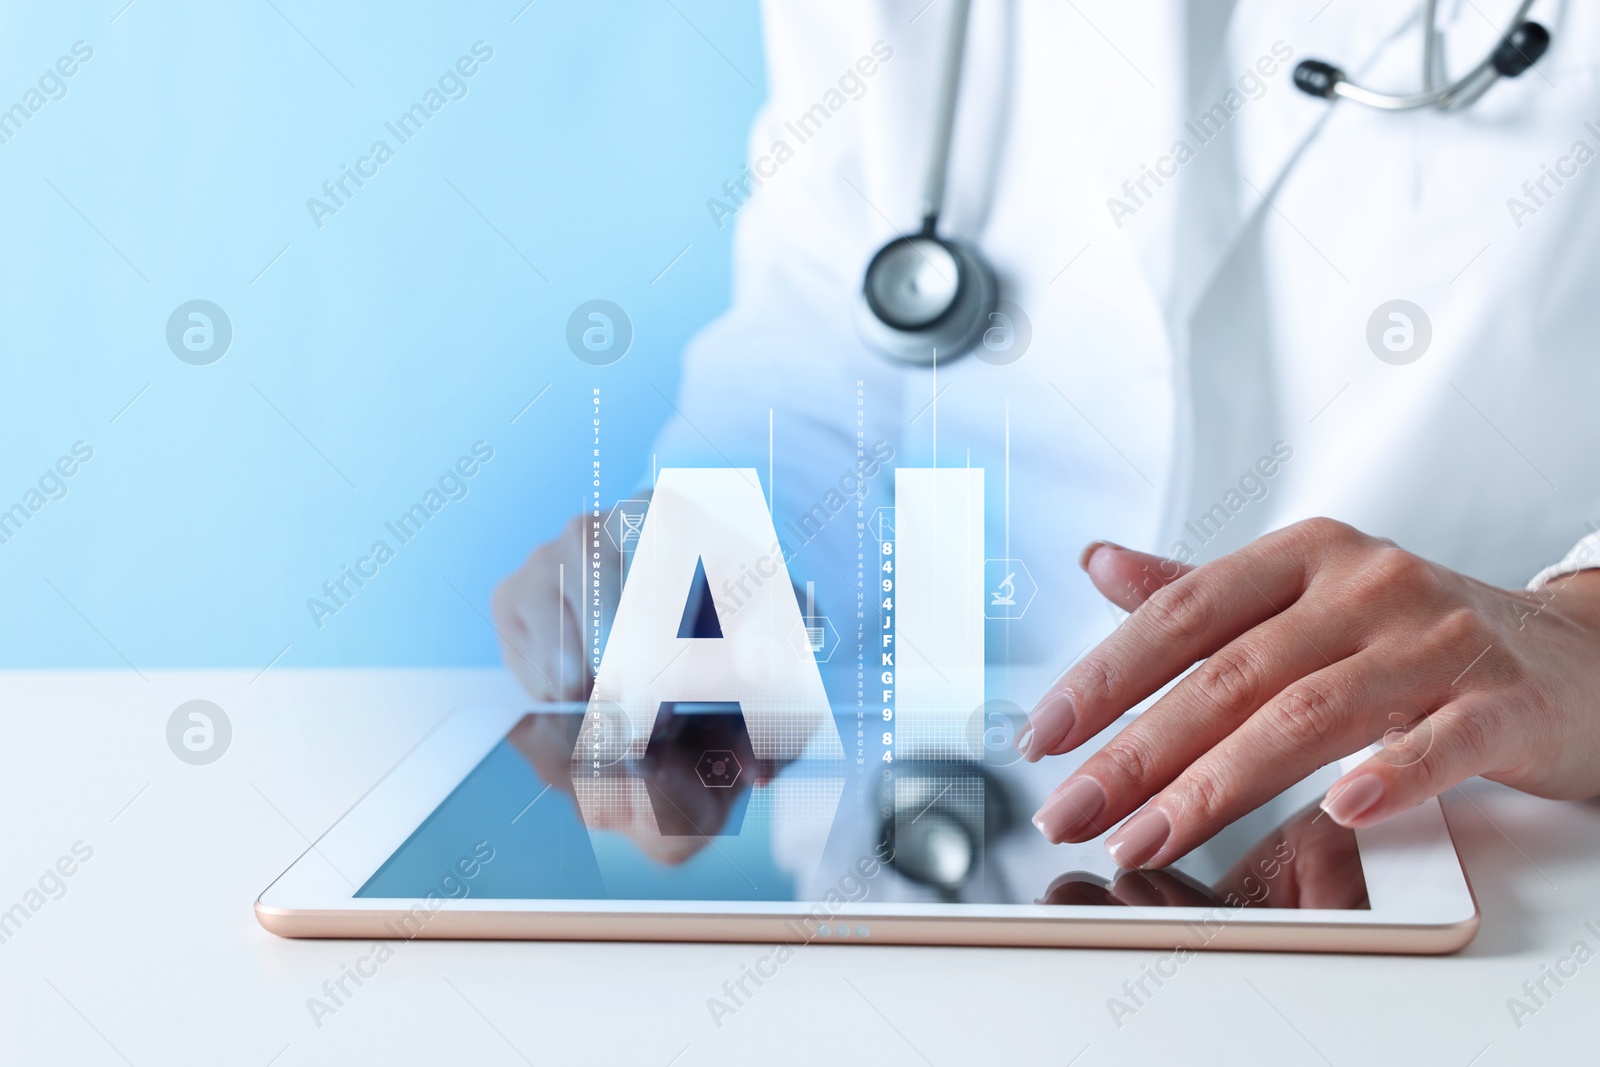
<point x="1009" y="588"/>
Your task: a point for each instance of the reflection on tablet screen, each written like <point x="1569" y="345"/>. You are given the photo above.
<point x="699" y="817"/>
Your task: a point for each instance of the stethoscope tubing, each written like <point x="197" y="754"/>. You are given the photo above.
<point x="945" y="116"/>
<point x="975" y="292"/>
<point x="1460" y="93"/>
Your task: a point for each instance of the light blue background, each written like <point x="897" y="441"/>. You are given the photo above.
<point x="392" y="339"/>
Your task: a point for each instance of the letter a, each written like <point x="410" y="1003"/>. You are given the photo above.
<point x="718" y="519"/>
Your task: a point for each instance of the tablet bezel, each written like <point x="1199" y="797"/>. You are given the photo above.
<point x="1419" y="895"/>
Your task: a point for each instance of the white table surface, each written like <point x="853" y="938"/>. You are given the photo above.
<point x="153" y="955"/>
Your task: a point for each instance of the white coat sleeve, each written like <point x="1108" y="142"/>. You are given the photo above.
<point x="1585" y="555"/>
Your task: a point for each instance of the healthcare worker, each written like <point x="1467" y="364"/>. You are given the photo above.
<point x="1329" y="370"/>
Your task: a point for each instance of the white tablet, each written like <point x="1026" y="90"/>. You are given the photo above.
<point x="503" y="823"/>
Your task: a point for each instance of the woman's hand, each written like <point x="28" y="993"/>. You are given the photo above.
<point x="537" y="610"/>
<point x="1317" y="640"/>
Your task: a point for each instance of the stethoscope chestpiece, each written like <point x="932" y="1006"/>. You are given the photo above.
<point x="939" y="817"/>
<point x="925" y="298"/>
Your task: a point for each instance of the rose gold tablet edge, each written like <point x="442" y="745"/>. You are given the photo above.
<point x="1234" y="935"/>
<point x="1230" y="935"/>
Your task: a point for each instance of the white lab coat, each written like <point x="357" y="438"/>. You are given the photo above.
<point x="1176" y="346"/>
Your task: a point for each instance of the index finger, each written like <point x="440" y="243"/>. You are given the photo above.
<point x="1178" y="625"/>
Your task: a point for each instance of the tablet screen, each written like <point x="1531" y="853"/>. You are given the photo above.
<point x="700" y="818"/>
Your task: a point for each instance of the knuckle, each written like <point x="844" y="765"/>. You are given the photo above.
<point x="1128" y="758"/>
<point x="1392" y="567"/>
<point x="1306" y="718"/>
<point x="1206" y="796"/>
<point x="1472" y="733"/>
<point x="1464" y="631"/>
<point x="1324" y="528"/>
<point x="1094" y="680"/>
<point x="1179" y="611"/>
<point x="1231" y="679"/>
<point x="1321" y="531"/>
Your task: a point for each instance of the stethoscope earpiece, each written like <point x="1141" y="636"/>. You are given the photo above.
<point x="1316" y="78"/>
<point x="927" y="298"/>
<point x="1519" y="48"/>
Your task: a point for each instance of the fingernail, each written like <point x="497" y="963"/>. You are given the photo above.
<point x="1071" y="811"/>
<point x="1024" y="737"/>
<point x="1056" y="714"/>
<point x="1140" y="838"/>
<point x="1095" y="546"/>
<point x="1355" y="798"/>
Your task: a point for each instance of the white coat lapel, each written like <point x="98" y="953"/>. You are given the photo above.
<point x="1257" y="122"/>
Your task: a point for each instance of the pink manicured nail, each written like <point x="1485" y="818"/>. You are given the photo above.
<point x="1054" y="718"/>
<point x="1140" y="838"/>
<point x="1348" y="802"/>
<point x="1092" y="548"/>
<point x="1071" y="811"/>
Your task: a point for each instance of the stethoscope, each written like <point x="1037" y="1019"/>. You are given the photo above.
<point x="925" y="298"/>
<point x="1519" y="48"/>
<point x="937" y="835"/>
